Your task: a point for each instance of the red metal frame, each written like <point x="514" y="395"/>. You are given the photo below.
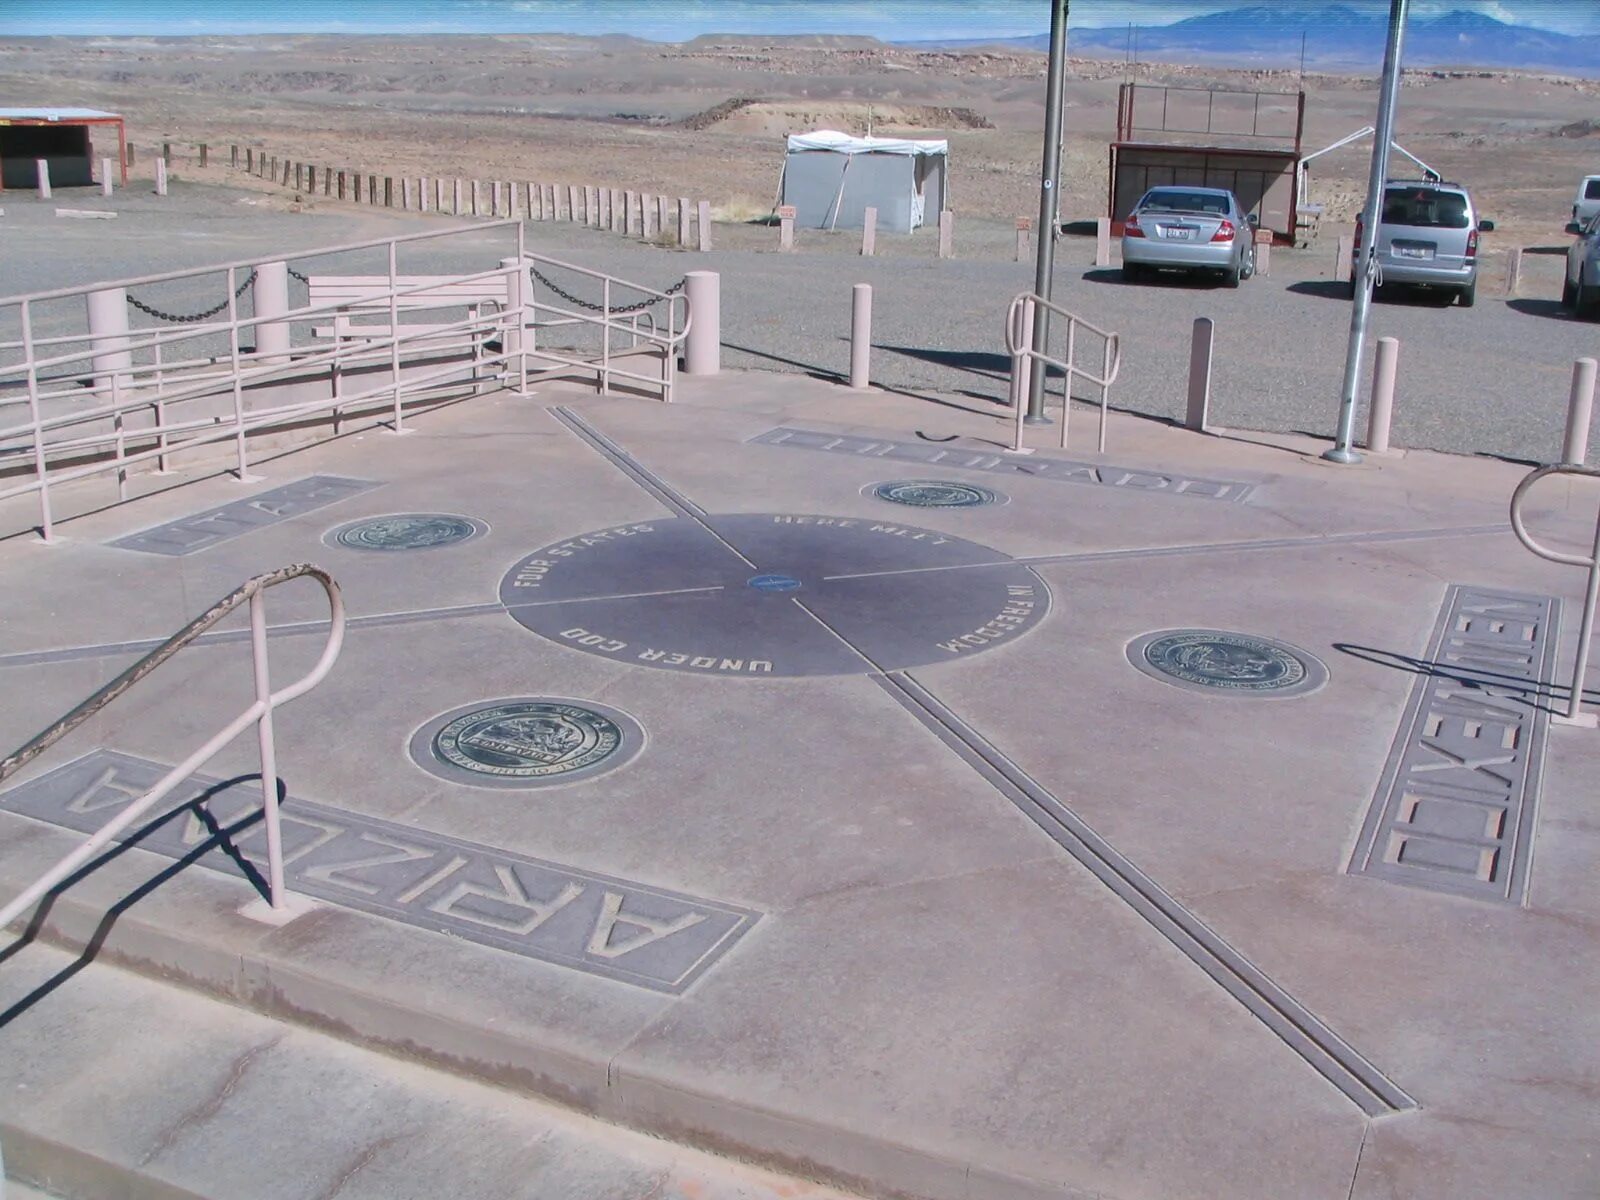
<point x="119" y="122"/>
<point x="1125" y="141"/>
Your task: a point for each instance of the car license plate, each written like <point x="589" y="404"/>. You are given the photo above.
<point x="1182" y="233"/>
<point x="1412" y="252"/>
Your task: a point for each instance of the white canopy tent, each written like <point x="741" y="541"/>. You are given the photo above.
<point x="832" y="178"/>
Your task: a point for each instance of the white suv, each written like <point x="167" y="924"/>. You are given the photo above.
<point x="1587" y="202"/>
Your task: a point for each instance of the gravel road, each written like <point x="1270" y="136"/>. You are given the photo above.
<point x="1491" y="380"/>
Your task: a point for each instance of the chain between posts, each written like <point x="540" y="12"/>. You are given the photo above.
<point x="193" y="318"/>
<point x="601" y="308"/>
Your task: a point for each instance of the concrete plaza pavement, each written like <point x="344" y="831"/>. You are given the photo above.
<point x="997" y="914"/>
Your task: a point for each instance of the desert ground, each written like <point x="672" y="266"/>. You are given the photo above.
<point x="706" y="118"/>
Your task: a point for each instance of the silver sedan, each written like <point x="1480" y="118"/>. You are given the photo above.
<point x="1191" y="229"/>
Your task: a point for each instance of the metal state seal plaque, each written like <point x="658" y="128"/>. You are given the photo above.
<point x="405" y="531"/>
<point x="1214" y="660"/>
<point x="525" y="742"/>
<point x="933" y="493"/>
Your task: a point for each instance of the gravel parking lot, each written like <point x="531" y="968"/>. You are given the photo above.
<point x="1490" y="380"/>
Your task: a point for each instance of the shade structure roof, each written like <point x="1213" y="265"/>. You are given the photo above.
<point x="57" y="114"/>
<point x="844" y="143"/>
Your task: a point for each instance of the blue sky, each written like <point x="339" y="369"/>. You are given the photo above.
<point x="676" y="20"/>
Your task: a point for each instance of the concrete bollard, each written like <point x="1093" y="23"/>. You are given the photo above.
<point x="249" y="160"/>
<point x="272" y="300"/>
<point x="702" y="350"/>
<point x="869" y="232"/>
<point x="300" y="177"/>
<point x="388" y="191"/>
<point x="105" y="177"/>
<point x="372" y="189"/>
<point x="627" y="214"/>
<point x="704" y="223"/>
<point x="1102" y="241"/>
<point x="355" y="187"/>
<point x="405" y="194"/>
<point x="947" y="233"/>
<point x="477" y="196"/>
<point x="552" y="204"/>
<point x="683" y="221"/>
<point x="1580" y="408"/>
<point x="860" y="334"/>
<point x="610" y="218"/>
<point x="1024" y="224"/>
<point x="1263" y="251"/>
<point x="1513" y="270"/>
<point x="233" y="160"/>
<point x="647" y="217"/>
<point x="1342" y="258"/>
<point x="166" y="153"/>
<point x="108" y="327"/>
<point x="42" y="177"/>
<point x="1201" y="343"/>
<point x="204" y="155"/>
<point x="663" y="215"/>
<point x="327" y="180"/>
<point x="572" y="202"/>
<point x="341" y="185"/>
<point x="272" y="175"/>
<point x="286" y="166"/>
<point x="786" y="227"/>
<point x="1380" y="412"/>
<point x="455" y="197"/>
<point x="161" y="177"/>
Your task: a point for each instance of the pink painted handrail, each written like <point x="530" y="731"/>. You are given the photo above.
<point x="259" y="713"/>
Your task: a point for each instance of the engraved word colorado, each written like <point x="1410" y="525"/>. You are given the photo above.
<point x="625" y="931"/>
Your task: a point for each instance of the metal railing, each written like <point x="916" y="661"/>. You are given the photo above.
<point x="133" y="382"/>
<point x="1574" y="715"/>
<point x="259" y="713"/>
<point x="1019" y="336"/>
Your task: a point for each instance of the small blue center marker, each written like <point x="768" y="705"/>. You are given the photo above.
<point x="774" y="583"/>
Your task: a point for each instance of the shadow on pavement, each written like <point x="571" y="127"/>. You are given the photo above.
<point x="988" y="363"/>
<point x="1551" y="309"/>
<point x="1545" y="696"/>
<point x="1326" y="289"/>
<point x="1194" y="281"/>
<point x="222" y="837"/>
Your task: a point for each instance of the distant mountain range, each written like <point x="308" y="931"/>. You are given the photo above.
<point x="1336" y="36"/>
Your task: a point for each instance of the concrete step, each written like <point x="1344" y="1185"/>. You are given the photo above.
<point x="121" y="1086"/>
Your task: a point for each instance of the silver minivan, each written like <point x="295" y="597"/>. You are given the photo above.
<point x="1428" y="237"/>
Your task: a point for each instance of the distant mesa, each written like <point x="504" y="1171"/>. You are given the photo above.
<point x="1336" y="36"/>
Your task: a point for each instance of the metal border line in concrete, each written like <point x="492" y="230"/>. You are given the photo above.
<point x="26" y="658"/>
<point x="1456" y="807"/>
<point x="1306" y="1034"/>
<point x="31" y="658"/>
<point x="565" y="916"/>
